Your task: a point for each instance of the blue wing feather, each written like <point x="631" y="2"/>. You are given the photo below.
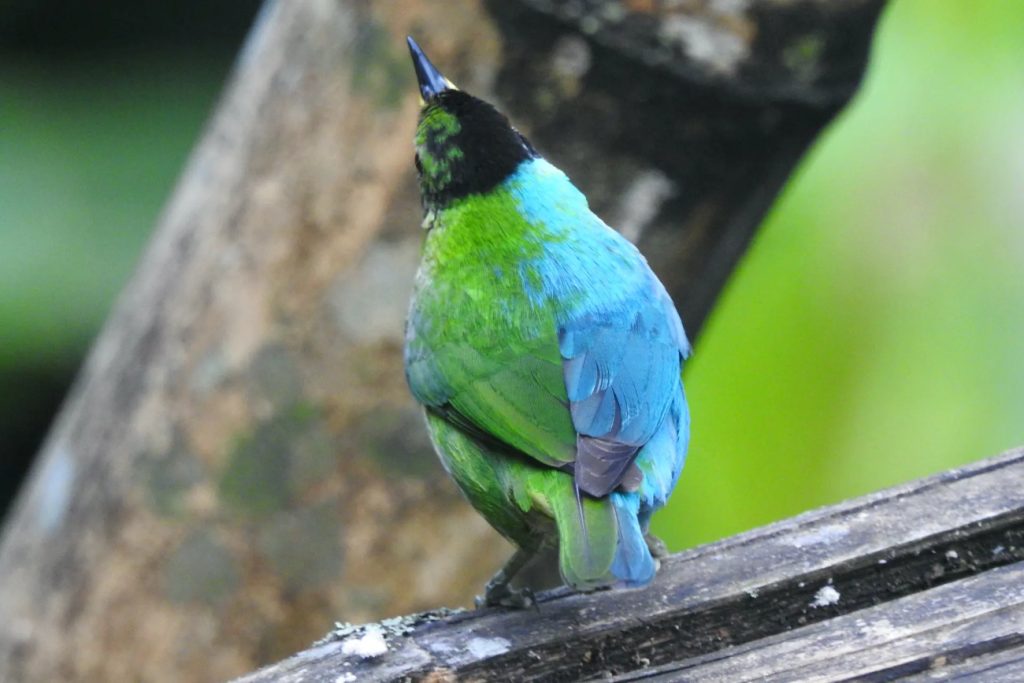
<point x="622" y="372"/>
<point x="627" y="361"/>
<point x="620" y="338"/>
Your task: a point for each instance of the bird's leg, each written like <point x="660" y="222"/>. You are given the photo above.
<point x="498" y="592"/>
<point x="656" y="546"/>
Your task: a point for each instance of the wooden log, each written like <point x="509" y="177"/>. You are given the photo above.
<point x="239" y="462"/>
<point x="909" y="580"/>
<point x="969" y="625"/>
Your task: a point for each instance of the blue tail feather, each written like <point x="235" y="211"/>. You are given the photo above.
<point x="633" y="564"/>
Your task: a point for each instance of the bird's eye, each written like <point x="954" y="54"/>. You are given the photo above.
<point x="419" y="166"/>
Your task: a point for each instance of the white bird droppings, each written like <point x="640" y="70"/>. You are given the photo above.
<point x="826" y="595"/>
<point x="371" y="644"/>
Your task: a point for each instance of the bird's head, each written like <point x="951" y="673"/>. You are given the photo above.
<point x="464" y="146"/>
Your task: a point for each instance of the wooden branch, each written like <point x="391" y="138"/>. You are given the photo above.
<point x="945" y="632"/>
<point x="240" y="462"/>
<point x="915" y="578"/>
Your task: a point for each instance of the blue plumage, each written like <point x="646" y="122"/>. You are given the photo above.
<point x="622" y="342"/>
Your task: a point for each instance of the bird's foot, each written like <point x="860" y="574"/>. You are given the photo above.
<point x="503" y="595"/>
<point x="656" y="546"/>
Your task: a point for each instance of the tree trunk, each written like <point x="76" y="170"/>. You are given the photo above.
<point x="239" y="463"/>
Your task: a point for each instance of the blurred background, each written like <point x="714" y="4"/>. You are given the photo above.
<point x="872" y="335"/>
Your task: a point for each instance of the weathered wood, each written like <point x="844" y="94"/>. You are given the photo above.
<point x="938" y="558"/>
<point x="239" y="462"/>
<point x="961" y="625"/>
<point x="1000" y="666"/>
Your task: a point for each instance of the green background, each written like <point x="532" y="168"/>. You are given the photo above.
<point x="875" y="331"/>
<point x="872" y="335"/>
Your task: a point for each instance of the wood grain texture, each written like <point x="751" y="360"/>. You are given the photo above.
<point x="966" y="626"/>
<point x="240" y="463"/>
<point x="906" y="580"/>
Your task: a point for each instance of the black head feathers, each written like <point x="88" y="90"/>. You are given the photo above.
<point x="464" y="145"/>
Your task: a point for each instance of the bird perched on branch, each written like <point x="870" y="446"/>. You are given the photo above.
<point x="546" y="353"/>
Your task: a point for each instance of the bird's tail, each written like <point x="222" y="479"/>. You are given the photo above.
<point x="600" y="540"/>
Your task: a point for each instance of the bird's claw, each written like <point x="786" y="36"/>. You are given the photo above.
<point x="503" y="596"/>
<point x="656" y="546"/>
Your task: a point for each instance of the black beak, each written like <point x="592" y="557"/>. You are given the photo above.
<point x="431" y="81"/>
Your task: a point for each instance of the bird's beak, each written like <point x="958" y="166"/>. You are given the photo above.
<point x="432" y="82"/>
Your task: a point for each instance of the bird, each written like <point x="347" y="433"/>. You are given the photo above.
<point x="545" y="352"/>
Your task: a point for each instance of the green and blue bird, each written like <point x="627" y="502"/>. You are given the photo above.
<point x="546" y="353"/>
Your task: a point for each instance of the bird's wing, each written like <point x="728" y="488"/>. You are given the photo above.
<point x="622" y="368"/>
<point x="508" y="393"/>
<point x="592" y="393"/>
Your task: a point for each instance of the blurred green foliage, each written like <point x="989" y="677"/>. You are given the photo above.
<point x="92" y="136"/>
<point x="88" y="154"/>
<point x="875" y="331"/>
<point x="872" y="335"/>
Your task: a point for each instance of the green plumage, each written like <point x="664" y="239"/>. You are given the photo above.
<point x="528" y="504"/>
<point x="502" y="358"/>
